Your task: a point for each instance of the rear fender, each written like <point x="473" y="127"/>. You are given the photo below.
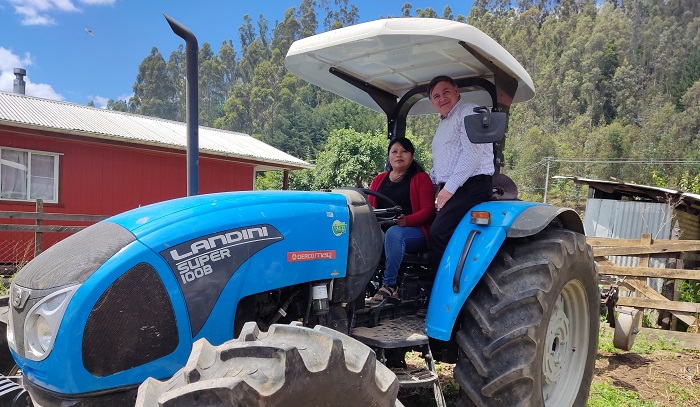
<point x="469" y="262"/>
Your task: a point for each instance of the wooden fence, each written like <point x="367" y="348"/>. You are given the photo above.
<point x="38" y="228"/>
<point x="635" y="280"/>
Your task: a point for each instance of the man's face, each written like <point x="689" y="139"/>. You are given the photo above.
<point x="444" y="97"/>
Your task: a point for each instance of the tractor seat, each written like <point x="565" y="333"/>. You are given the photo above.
<point x="416" y="259"/>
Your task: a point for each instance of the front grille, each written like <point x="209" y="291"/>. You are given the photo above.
<point x="132" y="323"/>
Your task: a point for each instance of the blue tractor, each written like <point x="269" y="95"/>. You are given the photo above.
<point x="143" y="308"/>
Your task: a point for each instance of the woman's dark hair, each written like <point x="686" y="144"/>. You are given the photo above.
<point x="408" y="146"/>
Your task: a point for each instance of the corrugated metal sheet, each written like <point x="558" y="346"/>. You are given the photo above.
<point x="62" y="117"/>
<point x="628" y="220"/>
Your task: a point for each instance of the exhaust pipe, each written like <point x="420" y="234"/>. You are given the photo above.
<point x="192" y="110"/>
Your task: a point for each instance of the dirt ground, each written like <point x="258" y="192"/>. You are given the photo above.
<point x="666" y="378"/>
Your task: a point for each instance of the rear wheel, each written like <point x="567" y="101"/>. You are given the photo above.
<point x="288" y="366"/>
<point x="529" y="331"/>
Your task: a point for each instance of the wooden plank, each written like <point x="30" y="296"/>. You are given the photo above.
<point x="612" y="242"/>
<point x="663" y="247"/>
<point x="42" y="228"/>
<point x="37" y="234"/>
<point x="644" y="289"/>
<point x="689" y="307"/>
<point x="649" y="272"/>
<point x="51" y="216"/>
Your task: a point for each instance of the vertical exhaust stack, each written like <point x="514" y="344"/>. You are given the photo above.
<point x="19" y="84"/>
<point x="192" y="107"/>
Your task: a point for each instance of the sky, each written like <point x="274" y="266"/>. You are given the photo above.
<point x="90" y="50"/>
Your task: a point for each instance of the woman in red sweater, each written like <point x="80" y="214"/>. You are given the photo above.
<point x="410" y="187"/>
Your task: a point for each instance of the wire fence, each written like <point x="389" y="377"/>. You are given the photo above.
<point x="15" y="253"/>
<point x="22" y="237"/>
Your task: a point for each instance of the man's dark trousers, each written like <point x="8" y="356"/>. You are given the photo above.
<point x="476" y="190"/>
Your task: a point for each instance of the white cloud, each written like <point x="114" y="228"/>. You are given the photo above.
<point x="9" y="61"/>
<point x="41" y="90"/>
<point x="100" y="101"/>
<point x="39" y="12"/>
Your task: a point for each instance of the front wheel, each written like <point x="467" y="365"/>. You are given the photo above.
<point x="289" y="365"/>
<point x="529" y="331"/>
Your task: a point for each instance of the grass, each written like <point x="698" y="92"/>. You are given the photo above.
<point x="605" y="395"/>
<point x="643" y="345"/>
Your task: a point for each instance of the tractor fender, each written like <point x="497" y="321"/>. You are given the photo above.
<point x="473" y="247"/>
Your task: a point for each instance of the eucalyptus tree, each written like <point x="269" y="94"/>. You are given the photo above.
<point x="154" y="92"/>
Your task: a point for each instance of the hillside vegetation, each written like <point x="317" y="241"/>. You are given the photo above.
<point x="617" y="93"/>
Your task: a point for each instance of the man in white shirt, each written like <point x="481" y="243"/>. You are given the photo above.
<point x="461" y="169"/>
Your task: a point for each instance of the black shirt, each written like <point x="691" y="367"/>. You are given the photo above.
<point x="399" y="192"/>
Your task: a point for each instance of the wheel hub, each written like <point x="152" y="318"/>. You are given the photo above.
<point x="557" y="343"/>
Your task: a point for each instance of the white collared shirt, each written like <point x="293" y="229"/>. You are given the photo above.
<point x="455" y="158"/>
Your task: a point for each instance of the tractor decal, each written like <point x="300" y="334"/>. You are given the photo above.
<point x="203" y="266"/>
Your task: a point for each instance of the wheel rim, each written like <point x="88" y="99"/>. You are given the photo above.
<point x="566" y="346"/>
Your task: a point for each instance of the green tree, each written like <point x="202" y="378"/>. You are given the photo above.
<point x="690" y="73"/>
<point x="176" y="70"/>
<point x="118" y="105"/>
<point x="406" y="10"/>
<point x="350" y="159"/>
<point x="343" y="15"/>
<point x="154" y="93"/>
<point x="307" y="18"/>
<point x="212" y="89"/>
<point x="426" y="13"/>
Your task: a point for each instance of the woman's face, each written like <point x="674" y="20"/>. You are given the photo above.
<point x="399" y="158"/>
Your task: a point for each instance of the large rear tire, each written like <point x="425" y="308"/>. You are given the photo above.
<point x="529" y="332"/>
<point x="288" y="366"/>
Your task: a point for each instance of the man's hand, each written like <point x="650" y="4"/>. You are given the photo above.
<point x="400" y="220"/>
<point x="442" y="198"/>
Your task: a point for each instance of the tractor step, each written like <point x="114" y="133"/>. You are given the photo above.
<point x="403" y="332"/>
<point x="406" y="332"/>
<point x="417" y="377"/>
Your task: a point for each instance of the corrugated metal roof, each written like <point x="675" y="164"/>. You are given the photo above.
<point x="657" y="194"/>
<point x="62" y="117"/>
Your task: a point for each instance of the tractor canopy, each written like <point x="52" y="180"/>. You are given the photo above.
<point x="390" y="63"/>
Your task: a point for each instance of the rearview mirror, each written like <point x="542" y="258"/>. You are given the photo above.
<point x="486" y="126"/>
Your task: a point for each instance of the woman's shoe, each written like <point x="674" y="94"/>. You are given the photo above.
<point x="387" y="292"/>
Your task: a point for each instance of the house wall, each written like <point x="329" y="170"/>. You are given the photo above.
<point x="106" y="178"/>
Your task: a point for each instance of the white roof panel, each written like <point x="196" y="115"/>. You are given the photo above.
<point x="25" y="111"/>
<point x="399" y="54"/>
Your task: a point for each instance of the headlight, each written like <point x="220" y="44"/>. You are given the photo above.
<point x="42" y="322"/>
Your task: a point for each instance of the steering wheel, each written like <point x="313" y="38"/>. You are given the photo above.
<point x="385" y="215"/>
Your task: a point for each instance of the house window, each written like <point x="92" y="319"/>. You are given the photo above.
<point x="28" y="175"/>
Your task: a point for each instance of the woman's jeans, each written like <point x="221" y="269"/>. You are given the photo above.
<point x="397" y="241"/>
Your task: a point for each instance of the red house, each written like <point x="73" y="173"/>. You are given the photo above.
<point x="83" y="160"/>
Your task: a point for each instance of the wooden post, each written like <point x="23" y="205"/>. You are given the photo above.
<point x="666" y="319"/>
<point x="37" y="234"/>
<point x="643" y="259"/>
<point x="285" y="180"/>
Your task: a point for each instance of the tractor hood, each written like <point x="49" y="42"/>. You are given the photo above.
<point x="398" y="55"/>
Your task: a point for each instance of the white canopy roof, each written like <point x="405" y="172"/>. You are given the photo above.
<point x="397" y="55"/>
